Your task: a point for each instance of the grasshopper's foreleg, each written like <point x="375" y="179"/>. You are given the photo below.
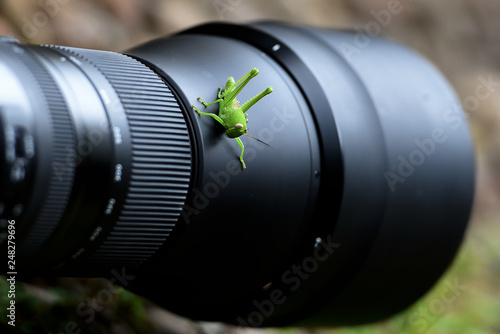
<point x="217" y="118"/>
<point x="243" y="166"/>
<point x="247" y="105"/>
<point x="209" y="104"/>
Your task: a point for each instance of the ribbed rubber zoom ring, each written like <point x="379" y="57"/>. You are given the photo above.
<point x="62" y="171"/>
<point x="161" y="161"/>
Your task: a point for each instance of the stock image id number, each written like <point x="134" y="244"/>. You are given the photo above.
<point x="11" y="245"/>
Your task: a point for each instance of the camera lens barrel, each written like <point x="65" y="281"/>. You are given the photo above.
<point x="355" y="212"/>
<point x="120" y="161"/>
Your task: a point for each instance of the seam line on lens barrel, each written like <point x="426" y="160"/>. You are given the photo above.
<point x="161" y="161"/>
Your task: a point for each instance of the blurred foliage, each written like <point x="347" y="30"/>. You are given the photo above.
<point x="459" y="36"/>
<point x="51" y="306"/>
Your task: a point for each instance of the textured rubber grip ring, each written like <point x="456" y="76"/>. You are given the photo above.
<point x="62" y="133"/>
<point x="161" y="161"/>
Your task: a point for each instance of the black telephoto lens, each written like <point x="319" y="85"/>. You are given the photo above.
<point x="352" y="215"/>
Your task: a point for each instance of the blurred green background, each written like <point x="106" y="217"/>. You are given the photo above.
<point x="459" y="36"/>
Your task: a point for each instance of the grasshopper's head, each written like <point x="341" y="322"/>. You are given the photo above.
<point x="237" y="130"/>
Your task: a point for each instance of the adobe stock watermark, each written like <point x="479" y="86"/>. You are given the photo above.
<point x="291" y="280"/>
<point x="364" y="35"/>
<point x="221" y="179"/>
<point x="424" y="317"/>
<point x="407" y="165"/>
<point x="87" y="309"/>
<point x="223" y="7"/>
<point x="454" y="118"/>
<point x="41" y="18"/>
<point x="484" y="90"/>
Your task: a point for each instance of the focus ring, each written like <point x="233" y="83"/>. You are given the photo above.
<point x="62" y="169"/>
<point x="161" y="161"/>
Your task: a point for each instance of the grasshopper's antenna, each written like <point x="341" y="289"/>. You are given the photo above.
<point x="257" y="139"/>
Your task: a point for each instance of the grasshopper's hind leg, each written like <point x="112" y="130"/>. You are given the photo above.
<point x="247" y="105"/>
<point x="240" y="84"/>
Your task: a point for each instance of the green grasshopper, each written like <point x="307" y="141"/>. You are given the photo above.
<point x="232" y="115"/>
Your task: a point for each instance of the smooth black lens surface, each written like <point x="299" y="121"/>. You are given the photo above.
<point x="356" y="211"/>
